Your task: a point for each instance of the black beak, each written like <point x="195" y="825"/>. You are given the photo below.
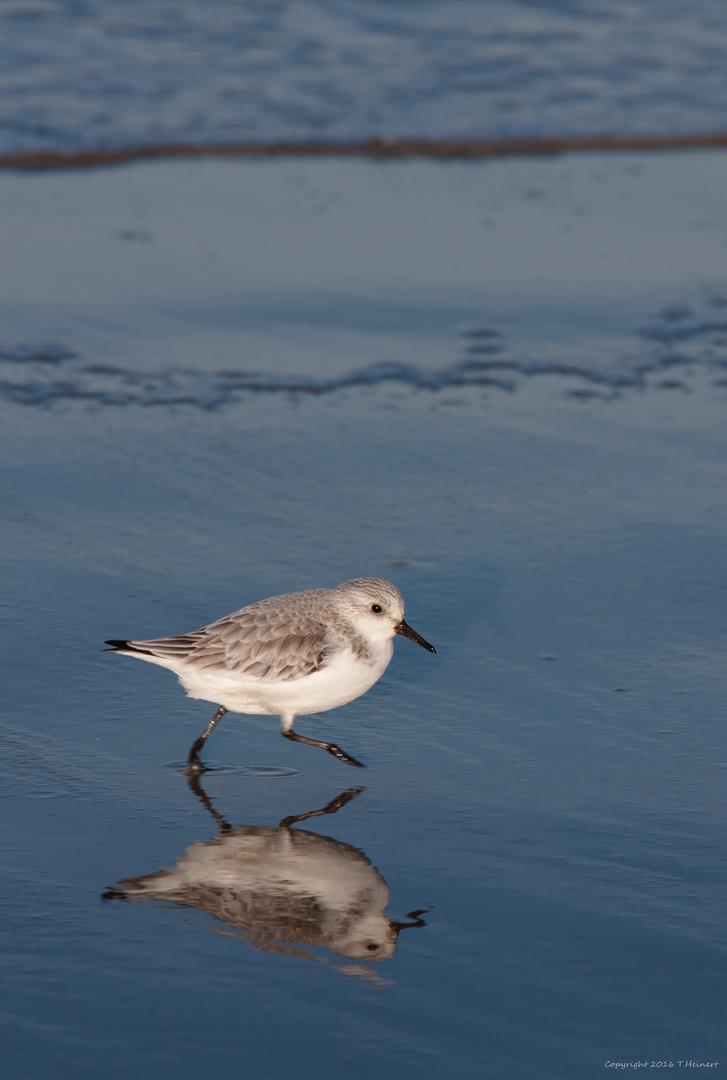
<point x="406" y="631"/>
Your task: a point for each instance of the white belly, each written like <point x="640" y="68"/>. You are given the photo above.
<point x="342" y="680"/>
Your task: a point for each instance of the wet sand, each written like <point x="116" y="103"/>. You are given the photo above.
<point x="542" y="475"/>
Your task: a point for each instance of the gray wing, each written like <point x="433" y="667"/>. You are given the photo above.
<point x="264" y="641"/>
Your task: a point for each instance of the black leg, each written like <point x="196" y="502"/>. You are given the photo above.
<point x="194" y="765"/>
<point x="329" y="746"/>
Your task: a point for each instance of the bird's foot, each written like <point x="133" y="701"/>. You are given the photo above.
<point x="195" y="767"/>
<point x="343" y="756"/>
<point x="329" y="746"/>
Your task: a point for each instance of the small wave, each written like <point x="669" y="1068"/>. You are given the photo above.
<point x="678" y="337"/>
<point x="205" y="390"/>
<point x="38" y="354"/>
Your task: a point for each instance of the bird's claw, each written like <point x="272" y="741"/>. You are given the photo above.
<point x="343" y="756"/>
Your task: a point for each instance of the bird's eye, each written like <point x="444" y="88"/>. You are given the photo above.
<point x="377" y="609"/>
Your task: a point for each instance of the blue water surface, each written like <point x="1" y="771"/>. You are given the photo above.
<point x="536" y="845"/>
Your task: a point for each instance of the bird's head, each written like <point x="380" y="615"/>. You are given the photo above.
<point x="377" y="608"/>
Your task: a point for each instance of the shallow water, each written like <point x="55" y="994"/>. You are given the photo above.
<point x="543" y="800"/>
<point x="115" y="72"/>
<point x="206" y="283"/>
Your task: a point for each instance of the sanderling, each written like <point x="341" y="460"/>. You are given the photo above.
<point x="303" y="652"/>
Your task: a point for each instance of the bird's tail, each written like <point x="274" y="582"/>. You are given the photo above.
<point x="127" y="647"/>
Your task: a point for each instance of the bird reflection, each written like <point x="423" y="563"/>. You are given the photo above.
<point x="281" y="888"/>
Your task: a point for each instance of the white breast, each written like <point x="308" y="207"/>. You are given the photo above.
<point x="343" y="679"/>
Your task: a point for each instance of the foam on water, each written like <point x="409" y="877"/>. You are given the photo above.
<point x="145" y="71"/>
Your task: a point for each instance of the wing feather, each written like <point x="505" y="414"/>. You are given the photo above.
<point x="269" y="640"/>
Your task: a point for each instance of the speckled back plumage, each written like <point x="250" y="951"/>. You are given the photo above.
<point x="282" y="638"/>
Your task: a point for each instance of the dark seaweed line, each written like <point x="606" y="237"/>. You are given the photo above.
<point x="439" y="149"/>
